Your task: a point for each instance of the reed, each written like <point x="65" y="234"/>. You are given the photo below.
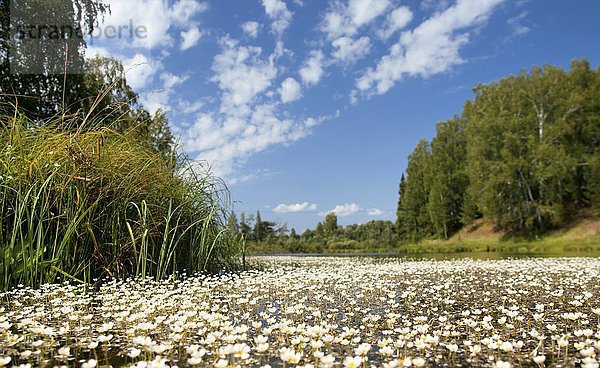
<point x="82" y="204"/>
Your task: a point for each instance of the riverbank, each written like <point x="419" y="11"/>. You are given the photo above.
<point x="581" y="236"/>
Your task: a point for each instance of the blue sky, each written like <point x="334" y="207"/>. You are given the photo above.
<point x="305" y="107"/>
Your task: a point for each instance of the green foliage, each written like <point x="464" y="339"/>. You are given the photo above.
<point x="97" y="203"/>
<point x="116" y="106"/>
<point x="532" y="139"/>
<point x="91" y="87"/>
<point x="43" y="96"/>
<point x="328" y="237"/>
<point x="330" y="226"/>
<point x="415" y="220"/>
<point x="400" y="210"/>
<point x="524" y="154"/>
<point x="447" y="177"/>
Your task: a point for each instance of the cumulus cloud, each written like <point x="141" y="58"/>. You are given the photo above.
<point x="161" y="25"/>
<point x="279" y="14"/>
<point x="375" y="212"/>
<point x="248" y="119"/>
<point x="226" y="141"/>
<point x="188" y="107"/>
<point x="250" y="29"/>
<point x="345" y="20"/>
<point x="140" y="70"/>
<point x="431" y="48"/>
<point x="190" y="38"/>
<point x="312" y="71"/>
<point x="342" y="210"/>
<point x="241" y="73"/>
<point x="290" y="90"/>
<point x="171" y="80"/>
<point x="156" y="17"/>
<point x="160" y="98"/>
<point x="396" y="20"/>
<point x="295" y="207"/>
<point x="349" y="50"/>
<point x="364" y="11"/>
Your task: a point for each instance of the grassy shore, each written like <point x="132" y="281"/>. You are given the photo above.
<point x="581" y="236"/>
<point x="82" y="204"/>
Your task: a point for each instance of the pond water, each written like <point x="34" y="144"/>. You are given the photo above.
<point x="335" y="311"/>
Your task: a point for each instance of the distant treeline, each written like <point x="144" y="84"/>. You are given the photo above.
<point x="523" y="154"/>
<point x="328" y="236"/>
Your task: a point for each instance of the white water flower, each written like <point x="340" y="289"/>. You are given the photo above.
<point x="353" y="362"/>
<point x="134" y="353"/>
<point x="418" y="362"/>
<point x="362" y="349"/>
<point x="89" y="364"/>
<point x="64" y="352"/>
<point x="539" y="359"/>
<point x="4" y="360"/>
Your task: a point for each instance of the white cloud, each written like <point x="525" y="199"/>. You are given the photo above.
<point x="342" y="210"/>
<point x="295" y="207"/>
<point x="241" y="73"/>
<point x="155" y="99"/>
<point x="226" y="141"/>
<point x="155" y="17"/>
<point x="248" y="119"/>
<point x="396" y="20"/>
<point x="312" y="71"/>
<point x="188" y="107"/>
<point x="311" y="122"/>
<point x="290" y="90"/>
<point x="279" y="14"/>
<point x="190" y="38"/>
<point x="250" y="29"/>
<point x="158" y="24"/>
<point x="517" y="26"/>
<point x="349" y="50"/>
<point x="92" y="51"/>
<point x="140" y="70"/>
<point x="183" y="10"/>
<point x="375" y="212"/>
<point x="431" y="48"/>
<point x="345" y="20"/>
<point x="364" y="11"/>
<point x="171" y="80"/>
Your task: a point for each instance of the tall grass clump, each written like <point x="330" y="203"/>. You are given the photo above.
<point x="82" y="205"/>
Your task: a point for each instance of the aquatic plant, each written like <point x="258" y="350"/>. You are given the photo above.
<point x="318" y="312"/>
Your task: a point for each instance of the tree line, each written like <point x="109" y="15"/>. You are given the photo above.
<point x="523" y="154"/>
<point x="328" y="235"/>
